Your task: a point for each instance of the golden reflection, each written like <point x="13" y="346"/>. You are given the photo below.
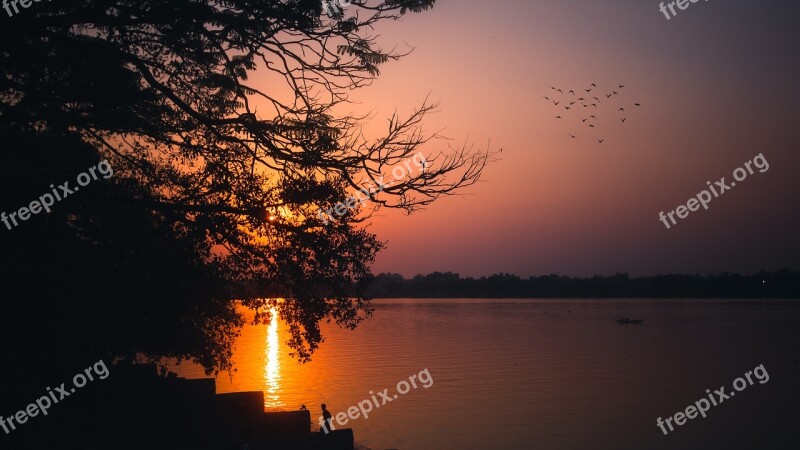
<point x="272" y="370"/>
<point x="262" y="363"/>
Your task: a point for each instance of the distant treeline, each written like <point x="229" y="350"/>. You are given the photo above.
<point x="783" y="283"/>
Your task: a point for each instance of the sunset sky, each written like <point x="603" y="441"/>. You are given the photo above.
<point x="717" y="84"/>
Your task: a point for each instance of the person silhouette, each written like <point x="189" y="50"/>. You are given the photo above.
<point x="326" y="417"/>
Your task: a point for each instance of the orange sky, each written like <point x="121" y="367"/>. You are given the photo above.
<point x="717" y="86"/>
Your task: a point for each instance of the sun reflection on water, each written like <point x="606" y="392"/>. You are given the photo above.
<point x="272" y="372"/>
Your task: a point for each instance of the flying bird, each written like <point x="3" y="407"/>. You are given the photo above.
<point x="582" y="99"/>
<point x="593" y="117"/>
<point x="591" y="126"/>
<point x="584" y="120"/>
<point x="571" y="103"/>
<point x="567" y="107"/>
<point x="600" y="140"/>
<point x="558" y="117"/>
<point x="615" y="92"/>
<point x="636" y="104"/>
<point x="571" y="92"/>
<point x="556" y="103"/>
<point x="594" y="85"/>
<point x="609" y="95"/>
<point x="621" y="86"/>
<point x="622" y="109"/>
<point x="559" y="90"/>
<point x="623" y="119"/>
<point x="546" y="98"/>
<point x="572" y="135"/>
<point x="553" y="88"/>
<point x="588" y="90"/>
<point x="593" y="104"/>
<point x="596" y="98"/>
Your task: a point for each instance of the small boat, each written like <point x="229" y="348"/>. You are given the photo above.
<point x="627" y="320"/>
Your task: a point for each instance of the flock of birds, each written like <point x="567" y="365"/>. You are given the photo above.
<point x="594" y="99"/>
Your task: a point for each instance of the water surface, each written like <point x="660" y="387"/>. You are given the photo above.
<point x="543" y="374"/>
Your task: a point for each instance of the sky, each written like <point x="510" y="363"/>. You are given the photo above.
<point x="717" y="84"/>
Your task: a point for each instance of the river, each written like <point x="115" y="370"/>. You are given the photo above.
<point x="542" y="374"/>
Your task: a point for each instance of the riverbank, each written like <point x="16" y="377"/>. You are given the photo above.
<point x="138" y="408"/>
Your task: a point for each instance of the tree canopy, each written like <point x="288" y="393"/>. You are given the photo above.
<point x="218" y="182"/>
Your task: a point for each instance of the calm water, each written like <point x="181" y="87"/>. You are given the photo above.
<point x="544" y="374"/>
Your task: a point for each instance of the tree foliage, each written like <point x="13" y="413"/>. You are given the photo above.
<point x="218" y="180"/>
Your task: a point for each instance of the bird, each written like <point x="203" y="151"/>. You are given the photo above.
<point x="594" y="85"/>
<point x="595" y="105"/>
<point x="582" y="99"/>
<point x="636" y="104"/>
<point x="591" y="126"/>
<point x="593" y="117"/>
<point x="584" y="120"/>
<point x="596" y="98"/>
<point x="600" y="140"/>
<point x="558" y="117"/>
<point x="559" y="90"/>
<point x="588" y="90"/>
<point x="622" y="109"/>
<point x="585" y="105"/>
<point x="623" y="119"/>
<point x="609" y="95"/>
<point x="572" y="135"/>
<point x="621" y="86"/>
<point x="556" y="103"/>
<point x="546" y="98"/>
<point x="571" y="103"/>
<point x="567" y="107"/>
<point x="553" y="88"/>
<point x="571" y="92"/>
<point x="615" y="92"/>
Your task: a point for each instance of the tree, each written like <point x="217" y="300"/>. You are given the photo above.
<point x="231" y="193"/>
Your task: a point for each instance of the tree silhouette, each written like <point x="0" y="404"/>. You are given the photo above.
<point x="220" y="177"/>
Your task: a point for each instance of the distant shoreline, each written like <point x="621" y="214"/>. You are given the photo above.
<point x="780" y="284"/>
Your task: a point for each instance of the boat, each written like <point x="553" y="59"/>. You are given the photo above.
<point x="627" y="320"/>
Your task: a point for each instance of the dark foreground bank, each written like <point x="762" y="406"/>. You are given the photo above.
<point x="135" y="408"/>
